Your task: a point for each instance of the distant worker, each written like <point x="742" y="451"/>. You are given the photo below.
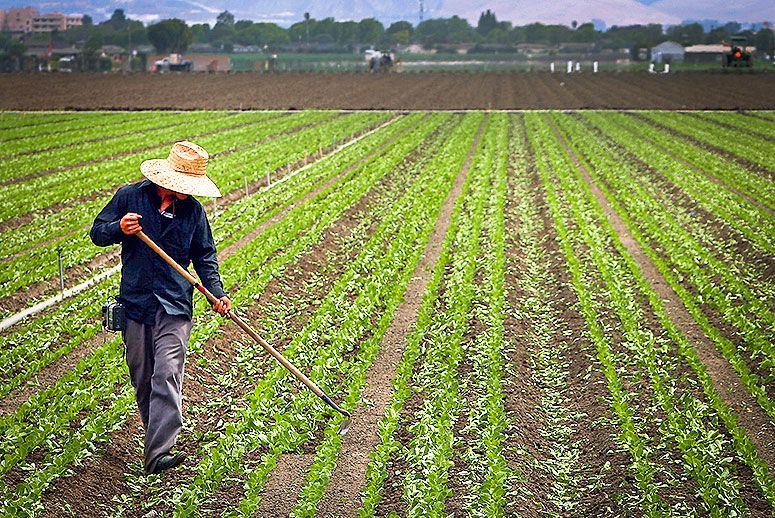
<point x="157" y="299"/>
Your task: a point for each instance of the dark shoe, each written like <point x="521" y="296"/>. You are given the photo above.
<point x="168" y="461"/>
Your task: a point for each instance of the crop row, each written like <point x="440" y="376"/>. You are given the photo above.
<point x="696" y="424"/>
<point x="106" y="127"/>
<point x="289" y="237"/>
<point x="21" y="120"/>
<point x="741" y="121"/>
<point x="23" y="165"/>
<point x="751" y="148"/>
<point x="230" y="171"/>
<point x="742" y="305"/>
<point x="730" y="220"/>
<point x="547" y="338"/>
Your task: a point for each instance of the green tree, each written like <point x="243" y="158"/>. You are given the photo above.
<point x="201" y="32"/>
<point x="585" y="33"/>
<point x="370" y="31"/>
<point x="690" y="34"/>
<point x="87" y="20"/>
<point x="765" y="41"/>
<point x="117" y="20"/>
<point x="399" y="33"/>
<point x="11" y="53"/>
<point x="225" y="18"/>
<point x="717" y="35"/>
<point x="170" y="36"/>
<point x="487" y="22"/>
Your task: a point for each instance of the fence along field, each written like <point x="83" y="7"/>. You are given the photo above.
<point x="592" y="335"/>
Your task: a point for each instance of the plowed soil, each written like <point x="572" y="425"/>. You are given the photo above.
<point x="428" y="91"/>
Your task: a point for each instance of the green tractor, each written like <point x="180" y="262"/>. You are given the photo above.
<point x="738" y="54"/>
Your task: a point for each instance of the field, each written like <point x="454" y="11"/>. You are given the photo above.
<point x="398" y="91"/>
<point x="562" y="313"/>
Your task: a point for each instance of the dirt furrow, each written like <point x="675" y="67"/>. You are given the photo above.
<point x="342" y="496"/>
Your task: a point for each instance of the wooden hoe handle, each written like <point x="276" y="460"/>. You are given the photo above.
<point x="245" y="327"/>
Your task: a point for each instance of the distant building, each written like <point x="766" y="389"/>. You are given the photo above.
<point x="27" y="20"/>
<point x="667" y="52"/>
<point x="708" y="53"/>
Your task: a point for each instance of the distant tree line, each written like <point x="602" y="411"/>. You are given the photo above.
<point x="328" y="34"/>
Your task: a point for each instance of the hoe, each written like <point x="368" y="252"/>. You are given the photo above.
<point x="245" y="327"/>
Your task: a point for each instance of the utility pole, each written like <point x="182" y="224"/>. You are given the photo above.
<point x="422" y="10"/>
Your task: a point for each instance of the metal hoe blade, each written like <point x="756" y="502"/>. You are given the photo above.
<point x="345" y="426"/>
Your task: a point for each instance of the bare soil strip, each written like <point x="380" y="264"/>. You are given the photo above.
<point x="48" y="375"/>
<point x="396" y="91"/>
<point x="342" y="496"/>
<point x="751" y="417"/>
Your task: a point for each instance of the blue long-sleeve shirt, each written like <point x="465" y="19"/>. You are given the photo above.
<point x="146" y="280"/>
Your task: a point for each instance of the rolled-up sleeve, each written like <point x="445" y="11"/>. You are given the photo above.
<point x="204" y="258"/>
<point x="106" y="229"/>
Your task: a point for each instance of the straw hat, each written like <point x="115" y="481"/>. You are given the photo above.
<point x="183" y="171"/>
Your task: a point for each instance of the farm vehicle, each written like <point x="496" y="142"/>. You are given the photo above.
<point x="173" y="63"/>
<point x="380" y="61"/>
<point x="738" y="54"/>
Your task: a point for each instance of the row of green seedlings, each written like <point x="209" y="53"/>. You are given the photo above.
<point x="487" y="478"/>
<point x="752" y="221"/>
<point x="21" y="121"/>
<point x="756" y="150"/>
<point x="58" y="126"/>
<point x="757" y="187"/>
<point x="29" y="348"/>
<point x="546" y="340"/>
<point x="111" y="126"/>
<point x="64" y="187"/>
<point x="230" y="171"/>
<point x="741" y="122"/>
<point x="696" y="425"/>
<point x="277" y="419"/>
<point x="26" y="164"/>
<point x="282" y="243"/>
<point x="746" y="219"/>
<point x="691" y="270"/>
<point x="436" y="333"/>
<point x="320" y="472"/>
<point x="403" y="171"/>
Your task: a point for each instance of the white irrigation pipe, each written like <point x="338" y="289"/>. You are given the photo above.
<point x="8" y="322"/>
<point x="37" y="308"/>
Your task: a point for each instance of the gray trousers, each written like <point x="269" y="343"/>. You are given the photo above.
<point x="156" y="355"/>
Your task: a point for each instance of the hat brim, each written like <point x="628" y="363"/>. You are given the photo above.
<point x="160" y="172"/>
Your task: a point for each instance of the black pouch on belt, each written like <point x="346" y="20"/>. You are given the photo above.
<point x="114" y="316"/>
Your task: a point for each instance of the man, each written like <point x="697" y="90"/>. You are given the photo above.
<point x="158" y="300"/>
